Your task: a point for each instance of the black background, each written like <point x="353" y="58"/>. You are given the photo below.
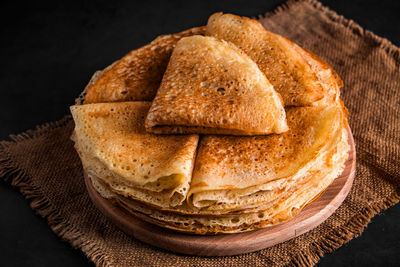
<point x="50" y="51"/>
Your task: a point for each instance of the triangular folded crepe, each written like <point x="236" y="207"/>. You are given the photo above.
<point x="114" y="147"/>
<point x="136" y="76"/>
<point x="249" y="167"/>
<point x="299" y="76"/>
<point x="212" y="87"/>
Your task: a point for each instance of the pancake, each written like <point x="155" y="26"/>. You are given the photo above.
<point x="212" y="87"/>
<point x="310" y="123"/>
<point x="113" y="144"/>
<point x="136" y="76"/>
<point x="282" y="199"/>
<point x="271" y="194"/>
<point x="234" y="81"/>
<point x="247" y="165"/>
<point x="280" y="209"/>
<point x="300" y="77"/>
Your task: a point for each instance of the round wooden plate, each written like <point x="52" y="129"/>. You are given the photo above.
<point x="232" y="244"/>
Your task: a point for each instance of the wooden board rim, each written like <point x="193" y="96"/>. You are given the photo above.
<point x="233" y="244"/>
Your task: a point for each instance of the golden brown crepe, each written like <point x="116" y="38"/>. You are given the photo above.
<point x="212" y="87"/>
<point x="318" y="134"/>
<point x="114" y="146"/>
<point x="221" y="83"/>
<point x="299" y="76"/>
<point x="246" y="166"/>
<point x="282" y="207"/>
<point x="260" y="205"/>
<point x="136" y="76"/>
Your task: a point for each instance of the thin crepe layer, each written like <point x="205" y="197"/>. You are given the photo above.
<point x="257" y="196"/>
<point x="112" y="143"/>
<point x="136" y="76"/>
<point x="281" y="209"/>
<point x="247" y="165"/>
<point x="274" y="193"/>
<point x="164" y="199"/>
<point x="300" y="77"/>
<point x="212" y="87"/>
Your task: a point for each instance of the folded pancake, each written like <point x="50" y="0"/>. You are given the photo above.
<point x="221" y="83"/>
<point x="136" y="76"/>
<point x="114" y="146"/>
<point x="283" y="198"/>
<point x="277" y="210"/>
<point x="300" y="77"/>
<point x="212" y="87"/>
<point x="249" y="167"/>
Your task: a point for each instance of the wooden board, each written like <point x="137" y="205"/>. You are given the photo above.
<point x="233" y="244"/>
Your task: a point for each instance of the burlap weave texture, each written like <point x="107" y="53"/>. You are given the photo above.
<point x="45" y="167"/>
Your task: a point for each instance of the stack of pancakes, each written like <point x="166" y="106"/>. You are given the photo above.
<point x="219" y="129"/>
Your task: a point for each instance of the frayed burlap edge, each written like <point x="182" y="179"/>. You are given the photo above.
<point x="383" y="43"/>
<point x="9" y="171"/>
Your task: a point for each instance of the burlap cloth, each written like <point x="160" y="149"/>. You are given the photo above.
<point x="45" y="167"/>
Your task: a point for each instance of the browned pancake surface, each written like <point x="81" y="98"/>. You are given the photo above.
<point x="136" y="76"/>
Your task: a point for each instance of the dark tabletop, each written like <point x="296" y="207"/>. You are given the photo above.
<point x="49" y="53"/>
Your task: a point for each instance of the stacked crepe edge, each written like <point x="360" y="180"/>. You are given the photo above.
<point x="181" y="215"/>
<point x="301" y="190"/>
